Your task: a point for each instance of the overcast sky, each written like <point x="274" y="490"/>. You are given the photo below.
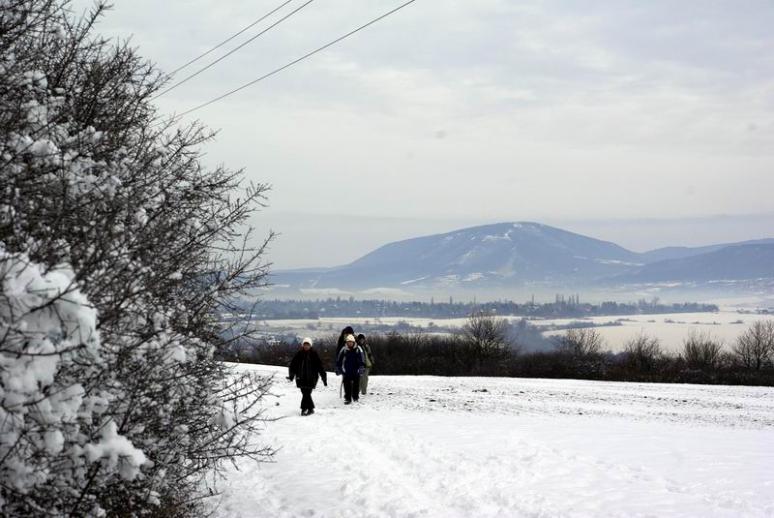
<point x="648" y="123"/>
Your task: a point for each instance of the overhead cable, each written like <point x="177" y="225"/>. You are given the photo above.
<point x="216" y="47"/>
<point x="297" y="60"/>
<point x="224" y="56"/>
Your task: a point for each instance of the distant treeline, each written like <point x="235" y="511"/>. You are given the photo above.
<point x="483" y="348"/>
<point x="561" y="308"/>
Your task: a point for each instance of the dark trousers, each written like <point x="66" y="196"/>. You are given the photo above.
<point x="306" y="399"/>
<point x="352" y="388"/>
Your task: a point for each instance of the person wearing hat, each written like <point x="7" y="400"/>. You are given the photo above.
<point x="350" y="364"/>
<point x="369" y="362"/>
<point x="340" y="342"/>
<point x="307" y="368"/>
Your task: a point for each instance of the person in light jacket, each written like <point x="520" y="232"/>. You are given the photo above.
<point x="306" y="367"/>
<point x="369" y="362"/>
<point x="350" y="364"/>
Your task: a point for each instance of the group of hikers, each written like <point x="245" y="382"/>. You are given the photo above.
<point x="353" y="361"/>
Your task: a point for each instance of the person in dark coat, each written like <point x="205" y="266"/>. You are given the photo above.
<point x="340" y="343"/>
<point x="350" y="364"/>
<point x="306" y="367"/>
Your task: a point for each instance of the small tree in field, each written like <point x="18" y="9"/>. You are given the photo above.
<point x="643" y="352"/>
<point x="701" y="351"/>
<point x="581" y="342"/>
<point x="487" y="338"/>
<point x="118" y="249"/>
<point x="580" y="351"/>
<point x="485" y="331"/>
<point x="755" y="347"/>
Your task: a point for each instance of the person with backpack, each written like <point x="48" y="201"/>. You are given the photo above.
<point x="306" y="367"/>
<point x="350" y="364"/>
<point x="369" y="362"/>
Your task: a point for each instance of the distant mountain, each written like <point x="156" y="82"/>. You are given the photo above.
<point x="505" y="253"/>
<point x="679" y="252"/>
<point x="736" y="262"/>
<point x="508" y="255"/>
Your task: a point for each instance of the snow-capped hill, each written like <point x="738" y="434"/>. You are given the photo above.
<point x="509" y="255"/>
<point x="504" y="253"/>
<point x="527" y="251"/>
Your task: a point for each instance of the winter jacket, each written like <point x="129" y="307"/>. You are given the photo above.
<point x="350" y="362"/>
<point x="340" y="344"/>
<point x="369" y="356"/>
<point x="306" y="367"/>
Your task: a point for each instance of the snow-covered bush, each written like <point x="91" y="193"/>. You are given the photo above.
<point x="117" y="250"/>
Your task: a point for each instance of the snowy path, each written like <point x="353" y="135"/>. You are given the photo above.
<point x="448" y="447"/>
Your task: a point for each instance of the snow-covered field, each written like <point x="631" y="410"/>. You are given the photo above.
<point x="459" y="447"/>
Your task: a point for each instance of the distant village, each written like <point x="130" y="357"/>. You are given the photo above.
<point x="563" y="307"/>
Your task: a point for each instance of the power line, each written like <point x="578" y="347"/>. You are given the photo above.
<point x="227" y="54"/>
<point x="216" y="47"/>
<point x="298" y="60"/>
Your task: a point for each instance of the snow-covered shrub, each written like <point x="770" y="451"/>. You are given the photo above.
<point x="117" y="250"/>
